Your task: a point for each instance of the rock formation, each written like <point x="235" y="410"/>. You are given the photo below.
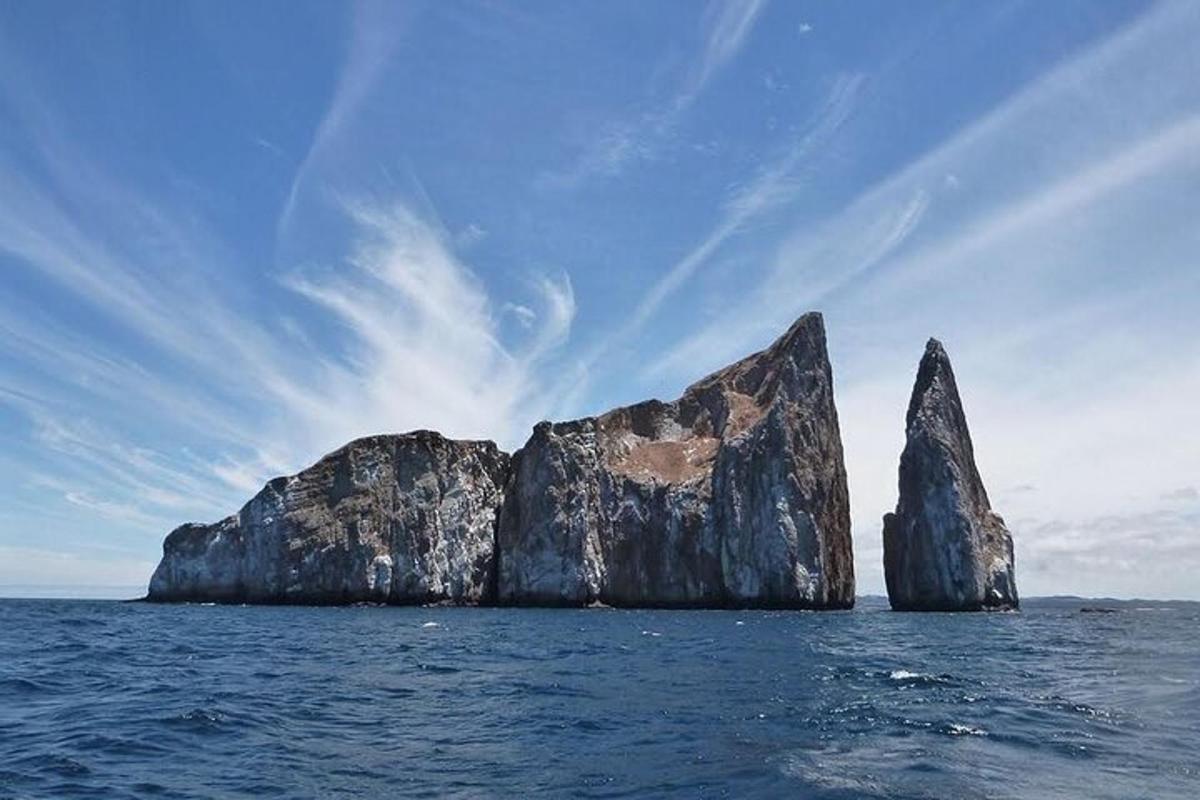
<point x="944" y="549"/>
<point x="398" y="519"/>
<point x="733" y="495"/>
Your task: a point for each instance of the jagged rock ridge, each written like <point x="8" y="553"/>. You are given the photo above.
<point x="733" y="495"/>
<point x="944" y="549"/>
<point x="397" y="519"/>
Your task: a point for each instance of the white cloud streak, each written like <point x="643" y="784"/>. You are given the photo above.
<point x="725" y="26"/>
<point x="421" y="348"/>
<point x="1090" y="155"/>
<point x="775" y="185"/>
<point x="376" y="30"/>
<point x="421" y="341"/>
<point x="417" y="318"/>
<point x="1065" y="216"/>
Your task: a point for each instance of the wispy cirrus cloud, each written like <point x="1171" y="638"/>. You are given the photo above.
<point x="1095" y="153"/>
<point x="416" y="317"/>
<point x="774" y="185"/>
<point x="725" y="26"/>
<point x="1055" y="213"/>
<point x="421" y="346"/>
<point x="395" y="333"/>
<point x="376" y="30"/>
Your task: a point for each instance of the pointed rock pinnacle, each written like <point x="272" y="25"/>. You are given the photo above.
<point x="944" y="549"/>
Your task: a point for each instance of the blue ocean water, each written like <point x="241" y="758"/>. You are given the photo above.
<point x="117" y="700"/>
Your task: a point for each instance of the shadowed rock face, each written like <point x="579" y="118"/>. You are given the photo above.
<point x="944" y="549"/>
<point x="398" y="519"/>
<point x="733" y="495"/>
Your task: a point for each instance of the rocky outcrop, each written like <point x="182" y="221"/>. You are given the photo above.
<point x="944" y="549"/>
<point x="733" y="495"/>
<point x="396" y="519"/>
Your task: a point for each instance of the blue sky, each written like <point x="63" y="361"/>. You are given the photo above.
<point x="234" y="236"/>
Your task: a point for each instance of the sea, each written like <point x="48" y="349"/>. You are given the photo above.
<point x="1067" y="698"/>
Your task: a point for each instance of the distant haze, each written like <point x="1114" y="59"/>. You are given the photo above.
<point x="234" y="237"/>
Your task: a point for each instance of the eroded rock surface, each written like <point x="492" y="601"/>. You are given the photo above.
<point x="944" y="549"/>
<point x="398" y="519"/>
<point x="733" y="495"/>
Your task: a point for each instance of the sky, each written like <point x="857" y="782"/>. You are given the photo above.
<point x="234" y="236"/>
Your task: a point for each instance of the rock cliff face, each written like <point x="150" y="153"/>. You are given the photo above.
<point x="733" y="495"/>
<point x="399" y="519"/>
<point x="944" y="549"/>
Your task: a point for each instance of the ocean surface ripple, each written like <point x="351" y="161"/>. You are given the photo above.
<point x="119" y="700"/>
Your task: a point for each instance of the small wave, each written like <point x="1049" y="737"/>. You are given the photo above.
<point x="828" y="770"/>
<point x="591" y="725"/>
<point x="22" y="686"/>
<point x="65" y="766"/>
<point x="906" y="678"/>
<point x="916" y="723"/>
<point x="438" y="668"/>
<point x="431" y="625"/>
<point x="651" y="633"/>
<point x="1073" y="707"/>
<point x="956" y="729"/>
<point x="150" y="788"/>
<point x="522" y="688"/>
<point x="198" y="719"/>
<point x="124" y="747"/>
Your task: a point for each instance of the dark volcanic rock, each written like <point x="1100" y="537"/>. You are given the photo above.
<point x="733" y="495"/>
<point x="944" y="549"/>
<point x="397" y="519"/>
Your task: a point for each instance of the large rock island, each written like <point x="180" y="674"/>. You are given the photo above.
<point x="944" y="549"/>
<point x="733" y="495"/>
